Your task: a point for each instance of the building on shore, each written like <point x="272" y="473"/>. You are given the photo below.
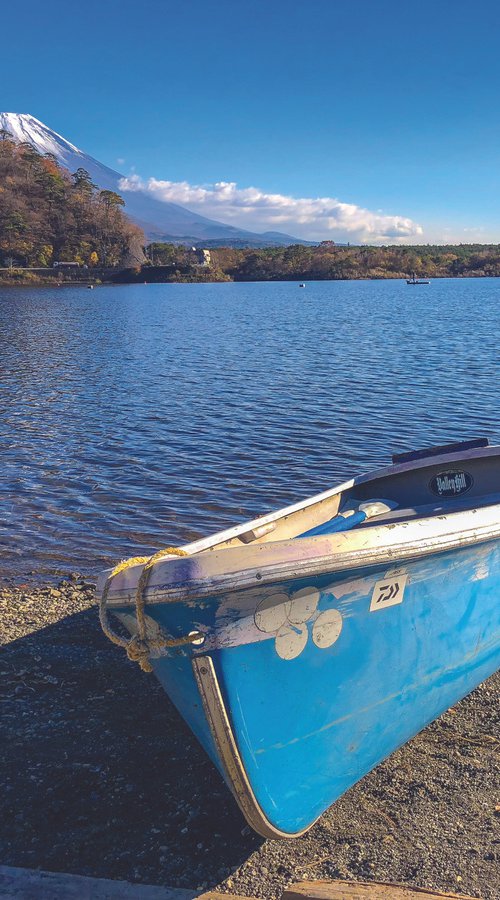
<point x="202" y="256"/>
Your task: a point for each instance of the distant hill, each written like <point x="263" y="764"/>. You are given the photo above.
<point x="160" y="220"/>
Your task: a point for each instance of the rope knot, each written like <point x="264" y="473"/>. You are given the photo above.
<point x="138" y="648"/>
<point x="138" y="651"/>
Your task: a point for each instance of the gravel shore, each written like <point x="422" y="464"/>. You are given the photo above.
<point x="100" y="776"/>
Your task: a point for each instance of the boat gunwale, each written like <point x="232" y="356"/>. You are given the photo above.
<point x="356" y="549"/>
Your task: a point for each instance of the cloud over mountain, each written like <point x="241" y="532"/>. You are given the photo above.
<point x="312" y="218"/>
<point x="177" y="210"/>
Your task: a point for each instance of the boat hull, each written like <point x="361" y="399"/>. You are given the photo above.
<point x="301" y="687"/>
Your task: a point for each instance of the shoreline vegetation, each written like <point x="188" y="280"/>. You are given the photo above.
<point x="173" y="263"/>
<point x="325" y="262"/>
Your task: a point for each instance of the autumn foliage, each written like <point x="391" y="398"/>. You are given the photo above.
<point x="329" y="261"/>
<point x="48" y="215"/>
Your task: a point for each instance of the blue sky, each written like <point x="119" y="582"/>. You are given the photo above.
<point x="389" y="107"/>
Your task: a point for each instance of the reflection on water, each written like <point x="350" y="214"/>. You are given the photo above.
<point x="139" y="416"/>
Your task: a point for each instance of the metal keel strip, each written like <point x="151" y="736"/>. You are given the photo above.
<point x="225" y="742"/>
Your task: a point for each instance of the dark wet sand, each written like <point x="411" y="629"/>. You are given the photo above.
<point x="100" y="776"/>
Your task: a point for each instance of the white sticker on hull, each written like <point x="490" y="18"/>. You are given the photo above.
<point x="388" y="591"/>
<point x="302" y="605"/>
<point x="327" y="628"/>
<point x="270" y="614"/>
<point x="286" y="617"/>
<point x="291" y="640"/>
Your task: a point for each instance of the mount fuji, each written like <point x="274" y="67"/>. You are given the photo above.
<point x="160" y="220"/>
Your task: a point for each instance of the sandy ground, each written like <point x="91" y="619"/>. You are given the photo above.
<point x="100" y="776"/>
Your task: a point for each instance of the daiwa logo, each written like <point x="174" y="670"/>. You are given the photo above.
<point x="451" y="484"/>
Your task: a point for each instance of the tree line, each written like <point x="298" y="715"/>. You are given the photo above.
<point x="48" y="215"/>
<point x="329" y="261"/>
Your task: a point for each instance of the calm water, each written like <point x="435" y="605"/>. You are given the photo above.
<point x="140" y="416"/>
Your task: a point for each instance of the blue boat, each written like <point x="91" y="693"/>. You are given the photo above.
<point x="304" y="647"/>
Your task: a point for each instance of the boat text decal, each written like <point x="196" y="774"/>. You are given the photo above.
<point x="388" y="591"/>
<point x="451" y="484"/>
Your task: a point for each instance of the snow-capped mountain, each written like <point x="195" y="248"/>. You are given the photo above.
<point x="160" y="220"/>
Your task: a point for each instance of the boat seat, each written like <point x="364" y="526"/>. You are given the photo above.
<point x="438" y="507"/>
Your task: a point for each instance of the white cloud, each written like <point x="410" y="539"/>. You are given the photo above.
<point x="311" y="218"/>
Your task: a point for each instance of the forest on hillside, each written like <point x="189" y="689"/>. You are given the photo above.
<point x="48" y="215"/>
<point x="329" y="261"/>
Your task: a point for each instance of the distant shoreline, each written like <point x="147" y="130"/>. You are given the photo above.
<point x="173" y="263"/>
<point x="122" y="277"/>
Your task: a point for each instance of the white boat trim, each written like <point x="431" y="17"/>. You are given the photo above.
<point x="254" y="565"/>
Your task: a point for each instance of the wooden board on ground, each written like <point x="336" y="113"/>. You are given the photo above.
<point x="363" y="890"/>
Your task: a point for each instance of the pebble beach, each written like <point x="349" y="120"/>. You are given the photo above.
<point x="100" y="776"/>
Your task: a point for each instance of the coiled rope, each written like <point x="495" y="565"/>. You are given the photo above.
<point x="139" y="646"/>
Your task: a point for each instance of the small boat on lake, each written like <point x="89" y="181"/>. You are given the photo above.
<point x="305" y="646"/>
<point x="415" y="280"/>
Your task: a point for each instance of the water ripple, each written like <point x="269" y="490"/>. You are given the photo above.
<point x="139" y="416"/>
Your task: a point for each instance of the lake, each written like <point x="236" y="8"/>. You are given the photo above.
<point x="140" y="416"/>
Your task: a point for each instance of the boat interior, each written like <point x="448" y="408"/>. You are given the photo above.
<point x="418" y="484"/>
<point x="428" y="489"/>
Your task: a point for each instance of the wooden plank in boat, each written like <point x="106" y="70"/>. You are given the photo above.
<point x="363" y="890"/>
